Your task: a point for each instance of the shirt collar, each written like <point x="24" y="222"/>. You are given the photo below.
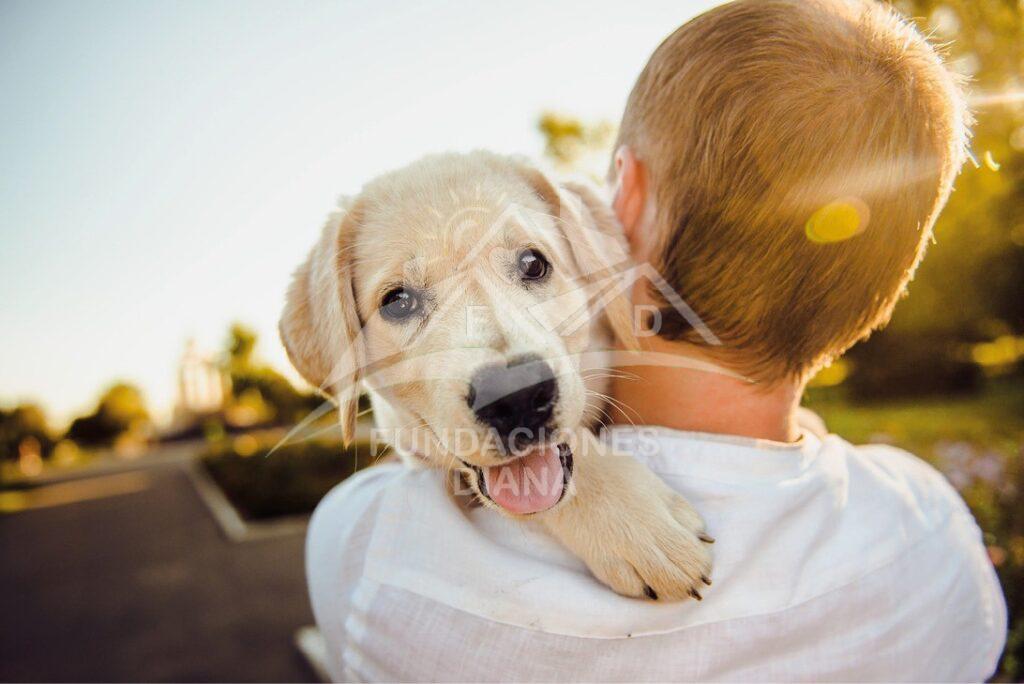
<point x="713" y="456"/>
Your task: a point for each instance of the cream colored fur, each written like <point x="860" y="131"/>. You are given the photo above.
<point x="451" y="226"/>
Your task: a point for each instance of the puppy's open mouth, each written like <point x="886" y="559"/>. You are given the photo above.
<point x="531" y="483"/>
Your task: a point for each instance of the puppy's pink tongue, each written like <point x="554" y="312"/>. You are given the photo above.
<point x="531" y="483"/>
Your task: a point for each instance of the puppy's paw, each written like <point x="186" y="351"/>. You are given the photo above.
<point x="634" y="533"/>
<point x="668" y="557"/>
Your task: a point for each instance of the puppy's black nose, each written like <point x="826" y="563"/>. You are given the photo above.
<point x="518" y="397"/>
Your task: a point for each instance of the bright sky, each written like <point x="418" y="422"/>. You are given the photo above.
<point x="164" y="166"/>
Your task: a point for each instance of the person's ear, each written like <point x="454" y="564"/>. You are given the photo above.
<point x="630" y="201"/>
<point x="320" y="326"/>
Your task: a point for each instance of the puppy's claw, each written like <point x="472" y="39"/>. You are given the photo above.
<point x="695" y="594"/>
<point x="705" y="579"/>
<point x="706" y="538"/>
<point x="651" y="594"/>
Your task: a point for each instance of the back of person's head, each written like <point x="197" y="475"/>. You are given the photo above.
<point x="798" y="153"/>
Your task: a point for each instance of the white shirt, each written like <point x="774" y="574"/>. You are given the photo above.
<point x="832" y="562"/>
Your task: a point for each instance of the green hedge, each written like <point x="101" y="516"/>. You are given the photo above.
<point x="290" y="481"/>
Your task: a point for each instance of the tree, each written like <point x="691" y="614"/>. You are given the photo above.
<point x="574" y="145"/>
<point x="120" y="410"/>
<point x="969" y="287"/>
<point x="240" y="346"/>
<point x="259" y="394"/>
<point x="26" y="421"/>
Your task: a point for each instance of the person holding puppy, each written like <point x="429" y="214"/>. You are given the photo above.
<point x="781" y="165"/>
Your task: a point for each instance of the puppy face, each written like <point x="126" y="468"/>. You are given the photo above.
<point x="470" y="282"/>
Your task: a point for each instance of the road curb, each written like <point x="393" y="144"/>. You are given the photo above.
<point x="232" y="524"/>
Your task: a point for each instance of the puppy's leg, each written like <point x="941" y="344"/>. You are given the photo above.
<point x="634" y="533"/>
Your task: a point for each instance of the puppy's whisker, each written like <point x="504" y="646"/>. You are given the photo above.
<point x="610" y="372"/>
<point x="603" y="376"/>
<point x="623" y="408"/>
<point x="321" y="431"/>
<point x="613" y="372"/>
<point x="599" y="413"/>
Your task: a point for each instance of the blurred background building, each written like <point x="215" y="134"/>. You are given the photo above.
<point x="202" y="387"/>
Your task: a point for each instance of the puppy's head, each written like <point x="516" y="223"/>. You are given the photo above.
<point x="466" y="292"/>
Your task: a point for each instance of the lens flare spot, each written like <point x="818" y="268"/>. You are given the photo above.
<point x="839" y="220"/>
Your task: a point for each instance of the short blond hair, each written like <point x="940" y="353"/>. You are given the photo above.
<point x="759" y="118"/>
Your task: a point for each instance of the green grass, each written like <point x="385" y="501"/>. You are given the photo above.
<point x="993" y="419"/>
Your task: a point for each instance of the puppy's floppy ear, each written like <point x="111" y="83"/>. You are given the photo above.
<point x="597" y="244"/>
<point x="601" y="251"/>
<point x="320" y="325"/>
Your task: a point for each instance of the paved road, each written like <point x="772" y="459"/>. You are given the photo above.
<point x="141" y="586"/>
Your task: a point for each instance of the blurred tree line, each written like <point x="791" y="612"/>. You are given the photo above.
<point x="120" y="421"/>
<point x="964" y="318"/>
<point x="120" y="411"/>
<point x="256" y="396"/>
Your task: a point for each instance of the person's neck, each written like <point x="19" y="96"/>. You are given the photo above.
<point x="697" y="398"/>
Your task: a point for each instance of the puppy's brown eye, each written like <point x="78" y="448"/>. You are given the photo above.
<point x="532" y="265"/>
<point x="399" y="304"/>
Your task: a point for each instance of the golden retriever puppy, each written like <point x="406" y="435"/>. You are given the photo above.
<point x="474" y="299"/>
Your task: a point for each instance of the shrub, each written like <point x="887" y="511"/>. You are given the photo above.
<point x="894" y="365"/>
<point x="289" y="481"/>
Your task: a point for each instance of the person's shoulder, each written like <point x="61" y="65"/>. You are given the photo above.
<point x="888" y="471"/>
<point x="942" y="556"/>
<point x="356" y="500"/>
<point x="339" y="541"/>
<point x="893" y="489"/>
<point x="359" y="490"/>
<point x="342" y="528"/>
